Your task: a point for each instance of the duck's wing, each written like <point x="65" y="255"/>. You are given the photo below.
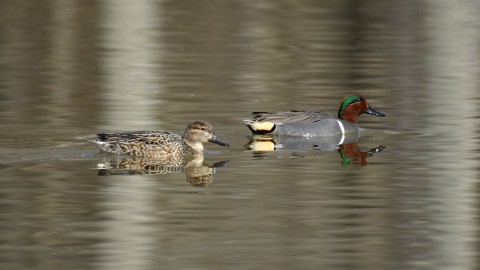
<point x="294" y="116"/>
<point x="266" y="122"/>
<point x="148" y="137"/>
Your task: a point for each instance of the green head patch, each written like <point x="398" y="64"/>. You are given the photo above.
<point x="346" y="102"/>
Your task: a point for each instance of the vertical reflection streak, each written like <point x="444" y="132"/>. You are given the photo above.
<point x="126" y="64"/>
<point x="453" y="72"/>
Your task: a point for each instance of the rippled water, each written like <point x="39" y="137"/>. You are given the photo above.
<point x="70" y="69"/>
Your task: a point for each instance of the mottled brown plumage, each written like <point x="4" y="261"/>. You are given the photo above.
<point x="158" y="144"/>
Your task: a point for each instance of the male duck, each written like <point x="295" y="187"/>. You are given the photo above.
<point x="159" y="144"/>
<point x="312" y="123"/>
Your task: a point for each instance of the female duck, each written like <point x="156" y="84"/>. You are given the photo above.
<point x="159" y="144"/>
<point x="312" y="123"/>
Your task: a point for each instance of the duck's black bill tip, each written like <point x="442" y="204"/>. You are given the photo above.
<point x="372" y="111"/>
<point x="215" y="140"/>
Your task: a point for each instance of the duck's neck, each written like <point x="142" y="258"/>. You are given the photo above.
<point x="349" y="116"/>
<point x="196" y="146"/>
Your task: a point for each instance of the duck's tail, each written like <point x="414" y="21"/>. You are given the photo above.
<point x="258" y="127"/>
<point x="108" y="146"/>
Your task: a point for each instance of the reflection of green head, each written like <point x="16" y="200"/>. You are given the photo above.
<point x="345" y="160"/>
<point x="346" y="102"/>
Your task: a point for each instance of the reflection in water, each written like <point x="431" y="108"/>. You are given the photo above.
<point x="352" y="156"/>
<point x="326" y="143"/>
<point x="198" y="173"/>
<point x="348" y="148"/>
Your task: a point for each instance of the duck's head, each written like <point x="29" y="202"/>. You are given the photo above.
<point x="199" y="132"/>
<point x="353" y="106"/>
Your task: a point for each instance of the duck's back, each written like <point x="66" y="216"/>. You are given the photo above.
<point x="141" y="143"/>
<point x="294" y="116"/>
<point x="292" y="123"/>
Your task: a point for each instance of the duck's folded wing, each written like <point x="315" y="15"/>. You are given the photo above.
<point x="150" y="137"/>
<point x="278" y="118"/>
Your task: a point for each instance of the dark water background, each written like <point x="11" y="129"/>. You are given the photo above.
<point x="70" y="69"/>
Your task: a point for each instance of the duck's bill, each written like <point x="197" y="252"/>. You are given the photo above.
<point x="215" y="140"/>
<point x="372" y="111"/>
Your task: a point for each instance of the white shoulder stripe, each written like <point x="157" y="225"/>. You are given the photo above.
<point x="342" y="128"/>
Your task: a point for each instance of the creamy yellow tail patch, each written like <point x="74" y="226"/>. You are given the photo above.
<point x="262" y="126"/>
<point x="261" y="146"/>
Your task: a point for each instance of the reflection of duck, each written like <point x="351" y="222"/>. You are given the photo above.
<point x="349" y="151"/>
<point x="270" y="143"/>
<point x="197" y="171"/>
<point x="352" y="156"/>
<point x="159" y="144"/>
<point x="312" y="123"/>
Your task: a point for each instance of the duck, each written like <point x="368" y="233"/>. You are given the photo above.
<point x="159" y="144"/>
<point x="313" y="122"/>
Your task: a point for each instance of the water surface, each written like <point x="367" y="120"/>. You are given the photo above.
<point x="71" y="69"/>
